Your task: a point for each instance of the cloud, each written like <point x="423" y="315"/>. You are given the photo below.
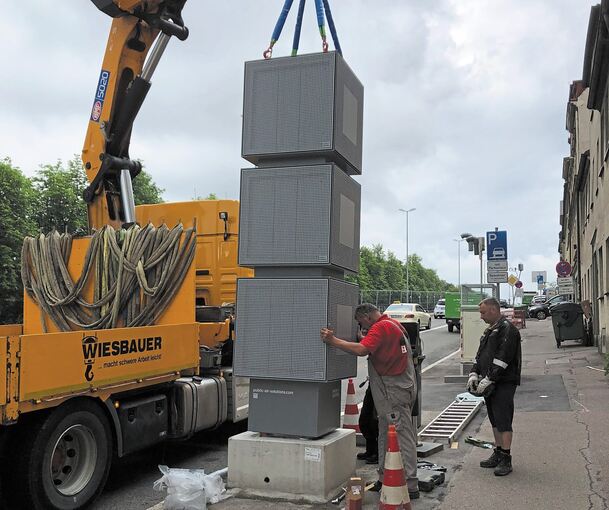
<point x="464" y="108"/>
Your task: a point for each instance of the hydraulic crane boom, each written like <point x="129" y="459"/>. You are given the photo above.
<point x="138" y="37"/>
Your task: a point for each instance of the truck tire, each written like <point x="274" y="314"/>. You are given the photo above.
<point x="63" y="458"/>
<point x="450" y="328"/>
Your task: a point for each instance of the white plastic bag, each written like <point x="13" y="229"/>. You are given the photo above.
<point x="189" y="489"/>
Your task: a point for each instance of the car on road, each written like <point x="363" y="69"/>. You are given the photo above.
<point x="542" y="310"/>
<point x="503" y="303"/>
<point x="409" y="312"/>
<point x="438" y="311"/>
<point x="538" y="299"/>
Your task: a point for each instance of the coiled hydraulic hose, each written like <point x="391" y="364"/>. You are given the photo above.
<point x="136" y="273"/>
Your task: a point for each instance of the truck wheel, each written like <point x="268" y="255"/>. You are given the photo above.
<point x="450" y="328"/>
<point x="65" y="457"/>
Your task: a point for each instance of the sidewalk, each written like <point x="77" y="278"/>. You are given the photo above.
<point x="561" y="440"/>
<point x="561" y="435"/>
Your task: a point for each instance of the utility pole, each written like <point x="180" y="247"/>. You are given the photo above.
<point x="407" y="275"/>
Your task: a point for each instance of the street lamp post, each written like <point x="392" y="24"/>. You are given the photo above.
<point x="407" y="211"/>
<point x="459" y="241"/>
<point x="476" y="244"/>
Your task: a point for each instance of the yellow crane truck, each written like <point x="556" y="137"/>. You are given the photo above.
<point x="119" y="343"/>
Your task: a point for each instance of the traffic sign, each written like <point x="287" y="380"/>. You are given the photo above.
<point x="563" y="269"/>
<point x="512" y="279"/>
<point x="565" y="285"/>
<point x="518" y="284"/>
<point x="496" y="245"/>
<point x="497" y="265"/>
<point x="539" y="277"/>
<point x="497" y="277"/>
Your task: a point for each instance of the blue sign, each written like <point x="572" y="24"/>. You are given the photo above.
<point x="100" y="95"/>
<point x="496" y="245"/>
<point x="540" y="279"/>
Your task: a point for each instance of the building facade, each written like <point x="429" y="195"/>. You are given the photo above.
<point x="584" y="209"/>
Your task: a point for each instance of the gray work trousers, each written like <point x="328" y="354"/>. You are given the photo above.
<point x="394" y="396"/>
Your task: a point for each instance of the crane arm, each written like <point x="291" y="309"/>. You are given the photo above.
<point x="138" y="36"/>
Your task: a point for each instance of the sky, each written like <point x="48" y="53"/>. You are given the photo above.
<point x="464" y="114"/>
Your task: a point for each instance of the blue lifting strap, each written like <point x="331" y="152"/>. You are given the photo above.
<point x="332" y="27"/>
<point x="278" y="27"/>
<point x="296" y="40"/>
<point x="322" y="10"/>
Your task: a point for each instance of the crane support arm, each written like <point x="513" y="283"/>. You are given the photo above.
<point x="138" y="36"/>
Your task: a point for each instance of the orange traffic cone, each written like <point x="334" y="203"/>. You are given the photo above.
<point x="351" y="418"/>
<point x="394" y="493"/>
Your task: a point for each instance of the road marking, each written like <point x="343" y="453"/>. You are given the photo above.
<point x="440" y="361"/>
<point x="432" y="329"/>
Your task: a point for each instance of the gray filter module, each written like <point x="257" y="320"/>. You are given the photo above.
<point x="294" y="408"/>
<point x="299" y="216"/>
<point x="304" y="106"/>
<point x="278" y="323"/>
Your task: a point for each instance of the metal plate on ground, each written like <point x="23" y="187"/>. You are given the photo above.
<point x="542" y="393"/>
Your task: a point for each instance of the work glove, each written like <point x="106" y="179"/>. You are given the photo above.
<point x="472" y="382"/>
<point x="485" y="387"/>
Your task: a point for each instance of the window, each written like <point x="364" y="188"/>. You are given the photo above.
<point x="607" y="265"/>
<point x="605" y="125"/>
<point x="601" y="280"/>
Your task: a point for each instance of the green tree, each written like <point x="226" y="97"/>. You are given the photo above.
<point x="145" y="191"/>
<point x="16" y="207"/>
<point x="380" y="271"/>
<point x="211" y="196"/>
<point x="58" y="202"/>
<point x="394" y="272"/>
<point x="373" y="259"/>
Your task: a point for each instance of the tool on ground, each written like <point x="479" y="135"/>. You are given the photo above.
<point x="340" y="497"/>
<point x="394" y="492"/>
<point x="451" y="421"/>
<point x="423" y="464"/>
<point x="351" y="417"/>
<point x="429" y="480"/>
<point x="479" y="442"/>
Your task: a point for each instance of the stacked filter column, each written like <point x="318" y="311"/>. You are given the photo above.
<point x="299" y="230"/>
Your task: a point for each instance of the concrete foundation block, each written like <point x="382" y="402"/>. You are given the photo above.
<point x="456" y="379"/>
<point x="310" y="470"/>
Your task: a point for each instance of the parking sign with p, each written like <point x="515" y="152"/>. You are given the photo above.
<point x="496" y="245"/>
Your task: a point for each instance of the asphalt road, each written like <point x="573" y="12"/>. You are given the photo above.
<point x="131" y="479"/>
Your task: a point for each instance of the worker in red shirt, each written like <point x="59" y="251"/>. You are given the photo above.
<point x="392" y="382"/>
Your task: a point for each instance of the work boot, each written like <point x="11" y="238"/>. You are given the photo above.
<point x="492" y="461"/>
<point x="504" y="467"/>
<point x="373" y="458"/>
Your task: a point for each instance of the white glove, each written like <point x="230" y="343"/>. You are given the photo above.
<point x="472" y="382"/>
<point x="485" y="387"/>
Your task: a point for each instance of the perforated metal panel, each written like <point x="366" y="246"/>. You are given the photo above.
<point x="304" y="105"/>
<point x="294" y="408"/>
<point x="278" y="323"/>
<point x="299" y="216"/>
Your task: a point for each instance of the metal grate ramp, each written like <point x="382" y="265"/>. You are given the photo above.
<point x="450" y="422"/>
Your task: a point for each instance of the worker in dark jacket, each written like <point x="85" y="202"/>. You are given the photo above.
<point x="495" y="375"/>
